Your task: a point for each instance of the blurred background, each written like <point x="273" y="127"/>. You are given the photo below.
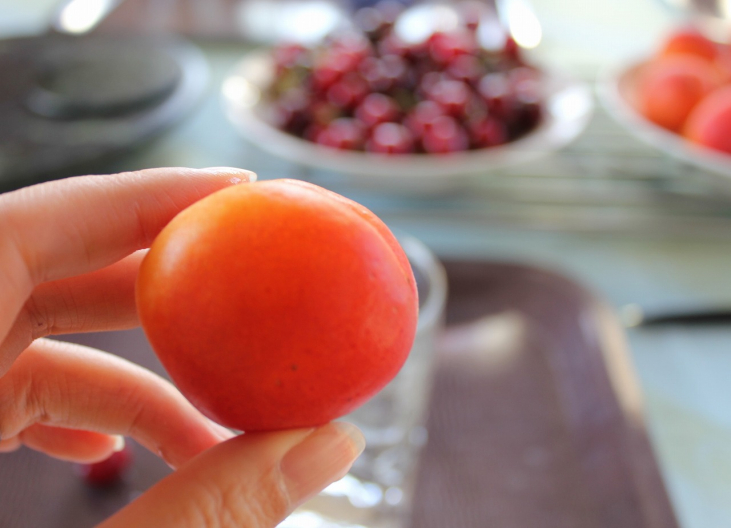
<point x="597" y="190"/>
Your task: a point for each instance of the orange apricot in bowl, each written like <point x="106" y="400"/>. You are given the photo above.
<point x="709" y="124"/>
<point x="670" y="87"/>
<point x="690" y="42"/>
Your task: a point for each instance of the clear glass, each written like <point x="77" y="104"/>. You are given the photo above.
<point x="377" y="491"/>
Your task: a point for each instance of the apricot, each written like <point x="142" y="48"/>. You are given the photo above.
<point x="709" y="124"/>
<point x="723" y="63"/>
<point x="689" y="41"/>
<point x="277" y="304"/>
<point x="670" y="87"/>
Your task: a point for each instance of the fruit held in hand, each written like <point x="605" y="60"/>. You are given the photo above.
<point x="277" y="304"/>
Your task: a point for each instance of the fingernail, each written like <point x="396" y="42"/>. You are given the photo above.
<point x="324" y="456"/>
<point x="118" y="443"/>
<point x="237" y="175"/>
<point x="222" y="432"/>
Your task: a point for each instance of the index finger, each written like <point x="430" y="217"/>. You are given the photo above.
<point x="73" y="226"/>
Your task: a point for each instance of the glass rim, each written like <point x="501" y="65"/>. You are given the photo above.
<point x="431" y="308"/>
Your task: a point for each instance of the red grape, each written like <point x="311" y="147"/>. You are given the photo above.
<point x="444" y="136"/>
<point x="391" y="138"/>
<point x="343" y="133"/>
<point x="377" y="108"/>
<point x="107" y="472"/>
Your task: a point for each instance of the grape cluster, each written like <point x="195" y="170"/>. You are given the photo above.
<point x="368" y="90"/>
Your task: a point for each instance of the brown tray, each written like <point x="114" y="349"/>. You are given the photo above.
<point x="536" y="416"/>
<point x="535" y="420"/>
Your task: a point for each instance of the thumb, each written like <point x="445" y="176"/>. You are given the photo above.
<point x="251" y="481"/>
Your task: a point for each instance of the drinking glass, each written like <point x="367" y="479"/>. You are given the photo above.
<point x="377" y="491"/>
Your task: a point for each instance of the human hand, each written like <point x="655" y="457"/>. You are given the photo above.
<point x="69" y="255"/>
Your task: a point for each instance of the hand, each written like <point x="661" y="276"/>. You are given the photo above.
<point x="69" y="254"/>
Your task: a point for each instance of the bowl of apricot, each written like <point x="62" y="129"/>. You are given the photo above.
<point x="395" y="100"/>
<point x="678" y="100"/>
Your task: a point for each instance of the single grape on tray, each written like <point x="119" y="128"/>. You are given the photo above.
<point x="108" y="472"/>
<point x="366" y="89"/>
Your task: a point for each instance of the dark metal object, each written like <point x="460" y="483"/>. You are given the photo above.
<point x="697" y="318"/>
<point x="70" y="104"/>
<point x="526" y="427"/>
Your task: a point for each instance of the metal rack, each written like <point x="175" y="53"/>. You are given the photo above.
<point x="605" y="182"/>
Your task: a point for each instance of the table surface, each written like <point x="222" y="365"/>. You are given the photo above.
<point x="627" y="222"/>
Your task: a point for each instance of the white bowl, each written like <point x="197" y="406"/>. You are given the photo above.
<point x="568" y="108"/>
<point x="617" y="89"/>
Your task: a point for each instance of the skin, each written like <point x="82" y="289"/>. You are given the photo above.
<point x="72" y="269"/>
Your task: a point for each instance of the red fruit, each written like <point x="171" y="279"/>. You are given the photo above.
<point x="528" y="91"/>
<point x="343" y="133"/>
<point x="377" y="108"/>
<point x="428" y="81"/>
<point x="471" y="13"/>
<point x="690" y="42"/>
<point x="382" y="74"/>
<point x="348" y="92"/>
<point x="528" y="116"/>
<point x="445" y="47"/>
<point x="709" y="124"/>
<point x="353" y="45"/>
<point x="372" y="70"/>
<point x="488" y="132"/>
<point x="370" y="21"/>
<point x="376" y="21"/>
<point x="323" y="112"/>
<point x="453" y="96"/>
<point x="422" y="117"/>
<point x="395" y="68"/>
<point x="524" y="76"/>
<point x="466" y="68"/>
<point x="331" y="67"/>
<point x="290" y="112"/>
<point x="392" y="44"/>
<point x="670" y="87"/>
<point x="444" y="136"/>
<point x="277" y="304"/>
<point x="389" y="10"/>
<point x="391" y="138"/>
<point x="512" y="50"/>
<point x="107" y="472"/>
<point x="723" y="64"/>
<point x="498" y="95"/>
<point x="311" y="132"/>
<point x="288" y="55"/>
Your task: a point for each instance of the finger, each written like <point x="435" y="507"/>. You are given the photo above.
<point x="94" y="302"/>
<point x="252" y="481"/>
<point x="73" y="445"/>
<point x="71" y="386"/>
<point x="70" y="227"/>
<point x="8" y="445"/>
